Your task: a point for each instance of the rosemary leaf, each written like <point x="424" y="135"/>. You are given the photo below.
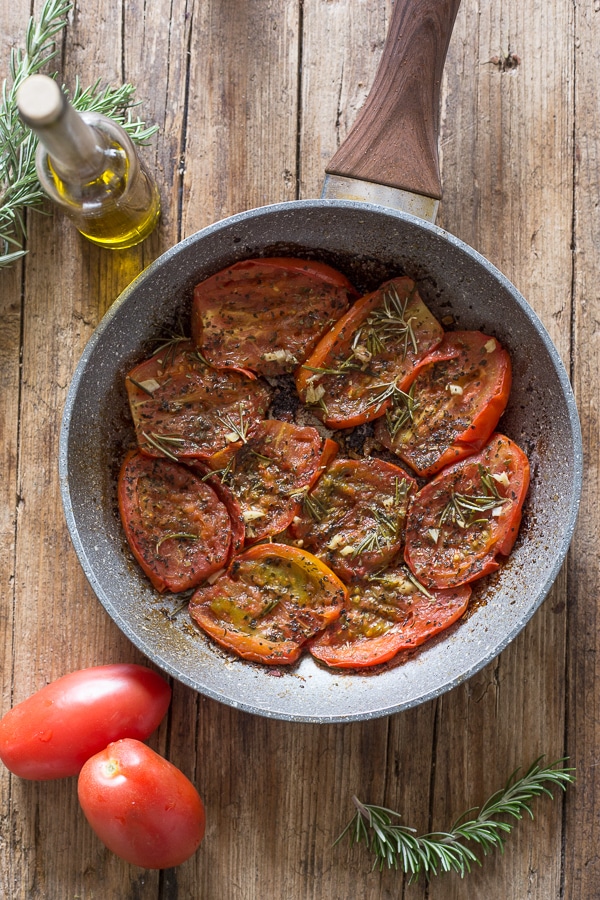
<point x="399" y="847"/>
<point x="19" y="185"/>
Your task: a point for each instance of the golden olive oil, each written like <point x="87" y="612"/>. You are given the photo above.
<point x="110" y="210"/>
<point x="88" y="165"/>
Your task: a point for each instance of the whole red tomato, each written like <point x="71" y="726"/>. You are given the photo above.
<point x="141" y="806"/>
<point x="53" y="732"/>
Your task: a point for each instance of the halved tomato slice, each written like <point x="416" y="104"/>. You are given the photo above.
<point x="272" y="599"/>
<point x="467" y="516"/>
<point x="183" y="408"/>
<point x="228" y="498"/>
<point x="354" y="517"/>
<point x="385" y="614"/>
<point x="178" y="529"/>
<point x="374" y="350"/>
<point x="452" y="406"/>
<point x="270" y="473"/>
<point x="267" y="314"/>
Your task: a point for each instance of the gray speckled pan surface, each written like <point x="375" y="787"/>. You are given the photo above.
<point x="369" y="243"/>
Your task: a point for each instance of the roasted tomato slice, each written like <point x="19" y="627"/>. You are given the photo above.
<point x="178" y="529"/>
<point x="452" y="406"/>
<point x="182" y="407"/>
<point x="386" y="614"/>
<point x="272" y="599"/>
<point x="270" y="473"/>
<point x="228" y="498"/>
<point x="353" y="519"/>
<point x="374" y="350"/>
<point x="467" y="516"/>
<point x="267" y="314"/>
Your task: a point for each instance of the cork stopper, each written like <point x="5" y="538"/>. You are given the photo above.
<point x="40" y="101"/>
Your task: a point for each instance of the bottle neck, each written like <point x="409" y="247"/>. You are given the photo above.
<point x="73" y="146"/>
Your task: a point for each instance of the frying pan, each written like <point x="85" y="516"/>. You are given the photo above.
<point x="388" y="161"/>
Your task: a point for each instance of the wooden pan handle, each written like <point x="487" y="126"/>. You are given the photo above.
<point x="394" y="140"/>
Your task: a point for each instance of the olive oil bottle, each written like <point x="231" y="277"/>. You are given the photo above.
<point x="88" y="166"/>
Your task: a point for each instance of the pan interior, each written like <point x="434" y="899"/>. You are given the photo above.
<point x="369" y="244"/>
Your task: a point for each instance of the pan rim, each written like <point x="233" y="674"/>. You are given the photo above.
<point x="573" y="501"/>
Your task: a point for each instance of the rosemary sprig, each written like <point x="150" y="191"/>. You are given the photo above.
<point x="388" y="390"/>
<point x="161" y="443"/>
<point x="141" y="386"/>
<point x="224" y="474"/>
<point x="19" y="185"/>
<point x="420" y="587"/>
<point x="313" y="507"/>
<point x="462" y="509"/>
<point x="399" y="847"/>
<point x="385" y="531"/>
<point x="402" y="410"/>
<point x="169" y="346"/>
<point x="238" y="428"/>
<point x="384" y="576"/>
<point x="385" y="324"/>
<point x="176" y="535"/>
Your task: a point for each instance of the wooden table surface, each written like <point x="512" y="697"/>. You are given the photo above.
<point x="252" y="97"/>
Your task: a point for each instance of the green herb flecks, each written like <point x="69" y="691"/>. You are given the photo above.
<point x="399" y="847"/>
<point x="237" y="428"/>
<point x="463" y="509"/>
<point x="163" y="443"/>
<point x="386" y="531"/>
<point x="387" y="325"/>
<point x="401" y="411"/>
<point x="19" y="185"/>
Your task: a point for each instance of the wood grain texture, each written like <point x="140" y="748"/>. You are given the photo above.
<point x="582" y="832"/>
<point x="252" y="100"/>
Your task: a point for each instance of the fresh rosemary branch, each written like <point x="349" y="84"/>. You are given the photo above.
<point x="399" y="847"/>
<point x="19" y="185"/>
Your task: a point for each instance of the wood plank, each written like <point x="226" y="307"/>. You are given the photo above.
<point x="341" y="49"/>
<point x="582" y="833"/>
<point x="240" y="131"/>
<point x="59" y="624"/>
<point x="507" y="193"/>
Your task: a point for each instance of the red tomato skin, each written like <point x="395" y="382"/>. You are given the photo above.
<point x="141" y="806"/>
<point x="485" y="411"/>
<point x="52" y="733"/>
<point x="284" y="649"/>
<point x="429" y="569"/>
<point x="337" y="342"/>
<point x="214" y="520"/>
<point x="362" y="652"/>
<point x="237" y="319"/>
